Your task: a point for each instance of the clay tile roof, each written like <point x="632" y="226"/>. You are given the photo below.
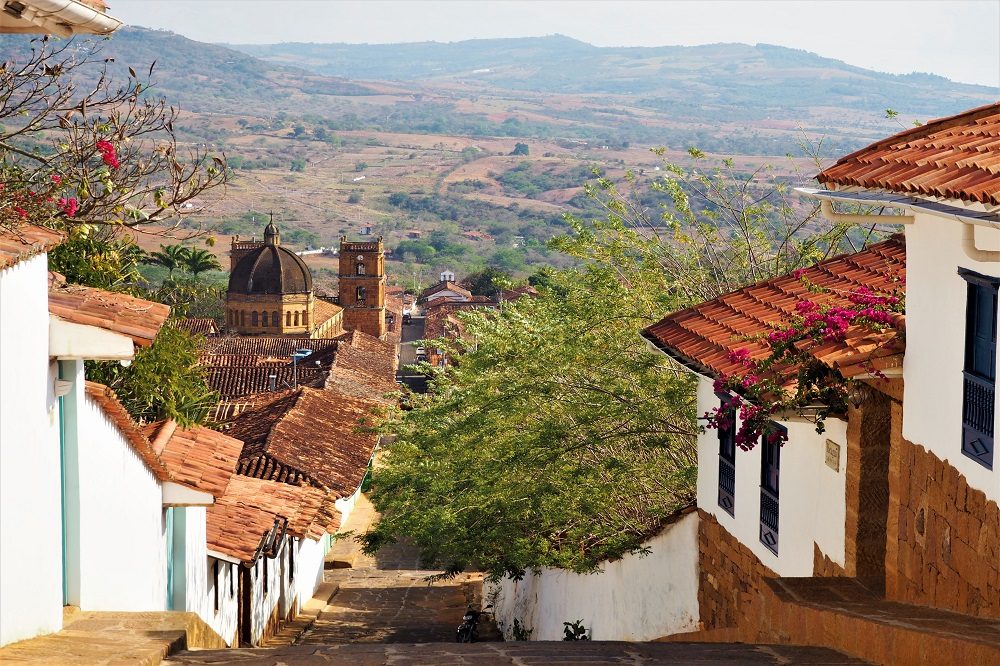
<point x="325" y="310"/>
<point x="198" y="325"/>
<point x="197" y="457"/>
<point x="24" y="242"/>
<point x="139" y="319"/>
<point x="277" y="346"/>
<point x="235" y="381"/>
<point x="106" y="399"/>
<point x="310" y="513"/>
<point x="954" y="158"/>
<point x="446" y="286"/>
<point x="312" y="436"/>
<point x="703" y="336"/>
<point x="239" y="519"/>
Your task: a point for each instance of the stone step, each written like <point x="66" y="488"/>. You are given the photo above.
<point x="553" y="653"/>
<point x="93" y="637"/>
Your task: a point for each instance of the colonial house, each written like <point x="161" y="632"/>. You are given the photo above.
<point x="875" y="535"/>
<point x="203" y="460"/>
<point x="266" y="542"/>
<point x="313" y="437"/>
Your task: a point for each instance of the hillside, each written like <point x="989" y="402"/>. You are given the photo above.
<point x="751" y="81"/>
<point x="412" y="143"/>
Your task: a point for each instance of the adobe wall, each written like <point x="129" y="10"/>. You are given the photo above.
<point x="943" y="537"/>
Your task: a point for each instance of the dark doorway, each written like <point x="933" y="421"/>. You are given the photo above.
<point x="244" y="618"/>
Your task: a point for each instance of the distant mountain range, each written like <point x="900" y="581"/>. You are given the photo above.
<point x="762" y="77"/>
<point x="729" y="98"/>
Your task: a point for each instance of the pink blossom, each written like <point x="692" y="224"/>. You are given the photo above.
<point x="68" y="206"/>
<point x="56" y="178"/>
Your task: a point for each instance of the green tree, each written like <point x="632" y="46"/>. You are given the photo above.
<point x="558" y="439"/>
<point x="487" y="281"/>
<point x="163" y="381"/>
<point x="520" y="149"/>
<point x="170" y="257"/>
<point x="197" y="261"/>
<point x="99" y="257"/>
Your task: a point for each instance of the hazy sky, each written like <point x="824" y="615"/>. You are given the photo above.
<point x="959" y="40"/>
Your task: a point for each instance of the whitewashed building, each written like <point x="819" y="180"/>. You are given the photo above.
<point x="897" y="499"/>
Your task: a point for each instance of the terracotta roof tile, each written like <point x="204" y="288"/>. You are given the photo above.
<point x="325" y="309"/>
<point x="319" y="437"/>
<point x="703" y="336"/>
<point x="106" y="399"/>
<point x="246" y="512"/>
<point x="446" y="286"/>
<point x="197" y="457"/>
<point x="198" y="325"/>
<point x="956" y="157"/>
<point x="24" y="242"/>
<point x="137" y="318"/>
<point x="241" y="366"/>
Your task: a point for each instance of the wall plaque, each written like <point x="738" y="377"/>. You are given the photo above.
<point x="833" y="455"/>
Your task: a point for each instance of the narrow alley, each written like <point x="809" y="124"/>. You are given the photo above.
<point x="386" y="610"/>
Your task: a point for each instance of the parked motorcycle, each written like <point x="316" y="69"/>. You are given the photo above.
<point x="468" y="631"/>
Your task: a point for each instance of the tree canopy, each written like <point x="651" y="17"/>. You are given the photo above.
<point x="559" y="439"/>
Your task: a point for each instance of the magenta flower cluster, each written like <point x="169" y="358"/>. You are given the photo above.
<point x="756" y="393"/>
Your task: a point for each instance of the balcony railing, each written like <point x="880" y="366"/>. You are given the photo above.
<point x="769" y="520"/>
<point x="727" y="485"/>
<point x="978" y="400"/>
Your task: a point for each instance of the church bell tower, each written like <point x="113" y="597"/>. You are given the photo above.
<point x="362" y="286"/>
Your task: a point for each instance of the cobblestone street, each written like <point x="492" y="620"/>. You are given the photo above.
<point x="388" y="599"/>
<point x="386" y="612"/>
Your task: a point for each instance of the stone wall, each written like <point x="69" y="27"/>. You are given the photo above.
<point x="823" y="566"/>
<point x="731" y="577"/>
<point x="943" y="537"/>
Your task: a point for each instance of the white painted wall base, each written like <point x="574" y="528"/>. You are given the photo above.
<point x="637" y="598"/>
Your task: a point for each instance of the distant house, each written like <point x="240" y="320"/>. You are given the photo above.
<point x="446" y="289"/>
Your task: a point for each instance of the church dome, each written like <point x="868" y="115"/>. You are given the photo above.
<point x="270" y="269"/>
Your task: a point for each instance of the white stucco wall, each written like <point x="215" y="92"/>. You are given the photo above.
<point x="194" y="578"/>
<point x="935" y="342"/>
<point x="812" y="503"/>
<point x="637" y="598"/>
<point x="223" y="621"/>
<point x="263" y="604"/>
<point x="30" y="497"/>
<point x="122" y="541"/>
<point x="308" y="570"/>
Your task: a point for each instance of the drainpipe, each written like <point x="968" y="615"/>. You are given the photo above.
<point x="970" y="249"/>
<point x="826" y="206"/>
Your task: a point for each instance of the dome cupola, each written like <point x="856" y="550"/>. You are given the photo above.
<point x="270" y="269"/>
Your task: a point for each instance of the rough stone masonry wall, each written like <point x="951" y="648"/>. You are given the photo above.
<point x="732" y="578"/>
<point x="943" y="537"/>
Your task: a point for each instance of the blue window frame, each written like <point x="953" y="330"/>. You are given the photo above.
<point x="727" y="457"/>
<point x="770" y="470"/>
<point x="979" y="373"/>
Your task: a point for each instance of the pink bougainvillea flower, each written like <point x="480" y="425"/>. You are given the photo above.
<point x="56" y="178"/>
<point x="69" y="206"/>
<point x="108" y="153"/>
